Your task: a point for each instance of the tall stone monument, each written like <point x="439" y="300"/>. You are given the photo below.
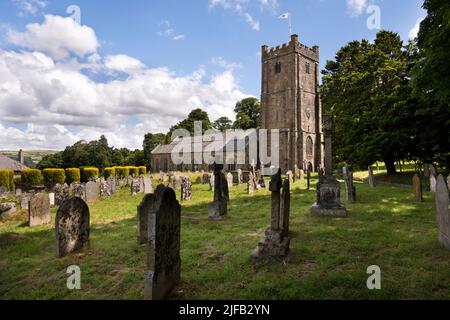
<point x="328" y="189"/>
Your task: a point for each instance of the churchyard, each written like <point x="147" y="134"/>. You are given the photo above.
<point x="328" y="257"/>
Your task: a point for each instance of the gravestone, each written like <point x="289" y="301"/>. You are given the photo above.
<point x="262" y="182"/>
<point x="135" y="187"/>
<point x="432" y="183"/>
<point x="198" y="180"/>
<point x="143" y="211"/>
<point x="61" y="193"/>
<point x="296" y="172"/>
<point x="350" y="189"/>
<point x="328" y="199"/>
<point x="433" y="170"/>
<point x="105" y="189"/>
<point x="217" y="210"/>
<point x="72" y="227"/>
<point x="39" y="210"/>
<point x="212" y="183"/>
<point x="443" y="211"/>
<point x="7" y="209"/>
<point x="417" y="188"/>
<point x="24" y="200"/>
<point x="177" y="182"/>
<point x="251" y="186"/>
<point x="302" y="175"/>
<point x="112" y="184"/>
<point x="308" y="179"/>
<point x="148" y="185"/>
<point x="290" y="176"/>
<point x="276" y="241"/>
<point x="240" y="177"/>
<point x="141" y="184"/>
<point x="92" y="192"/>
<point x="163" y="270"/>
<point x="78" y="190"/>
<point x="230" y="180"/>
<point x="51" y="198"/>
<point x="18" y="192"/>
<point x="206" y="178"/>
<point x="186" y="189"/>
<point x="372" y="182"/>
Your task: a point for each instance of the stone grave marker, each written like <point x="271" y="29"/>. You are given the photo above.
<point x="39" y="210"/>
<point x="443" y="211"/>
<point x="92" y="192"/>
<point x="417" y="188"/>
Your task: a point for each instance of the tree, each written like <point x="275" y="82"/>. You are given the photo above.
<point x="431" y="84"/>
<point x="248" y="114"/>
<point x="366" y="91"/>
<point x="151" y="141"/>
<point x="223" y="124"/>
<point x="188" y="124"/>
<point x="51" y="161"/>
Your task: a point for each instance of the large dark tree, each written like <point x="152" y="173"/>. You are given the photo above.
<point x="366" y="91"/>
<point x="188" y="124"/>
<point x="151" y="141"/>
<point x="248" y="114"/>
<point x="431" y="84"/>
<point x="223" y="124"/>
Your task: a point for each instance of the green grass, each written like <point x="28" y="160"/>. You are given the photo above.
<point x="329" y="257"/>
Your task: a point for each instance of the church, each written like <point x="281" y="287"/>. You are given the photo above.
<point x="290" y="103"/>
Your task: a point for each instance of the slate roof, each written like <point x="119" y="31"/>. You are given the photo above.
<point x="10" y="164"/>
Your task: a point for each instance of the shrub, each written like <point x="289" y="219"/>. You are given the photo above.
<point x="31" y="177"/>
<point x="53" y="176"/>
<point x="142" y="170"/>
<point x="133" y="171"/>
<point x="7" y="179"/>
<point x="109" y="172"/>
<point x="90" y="173"/>
<point x="122" y="172"/>
<point x="73" y="175"/>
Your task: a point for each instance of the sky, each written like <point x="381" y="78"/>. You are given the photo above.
<point x="74" y="70"/>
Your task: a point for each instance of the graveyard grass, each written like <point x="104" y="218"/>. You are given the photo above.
<point x="329" y="257"/>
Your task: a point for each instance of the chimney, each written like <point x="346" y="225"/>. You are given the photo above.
<point x="21" y="157"/>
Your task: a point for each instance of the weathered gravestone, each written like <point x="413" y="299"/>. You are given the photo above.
<point x="92" y="191"/>
<point x="240" y="177"/>
<point x="186" y="189"/>
<point x="105" y="189"/>
<point x="72" y="227"/>
<point x="308" y="179"/>
<point x="290" y="176"/>
<point x="198" y="180"/>
<point x="78" y="190"/>
<point x="141" y="183"/>
<point x="51" y="198"/>
<point x="143" y="211"/>
<point x="350" y="189"/>
<point x="135" y="187"/>
<point x="230" y="180"/>
<point x="206" y="178"/>
<point x="251" y="185"/>
<point x="148" y="185"/>
<point x="212" y="182"/>
<point x="163" y="271"/>
<point x="372" y="182"/>
<point x="61" y="193"/>
<point x="112" y="184"/>
<point x="276" y="241"/>
<point x="39" y="210"/>
<point x="432" y="183"/>
<point x="177" y="182"/>
<point x="417" y="188"/>
<point x="7" y="210"/>
<point x="217" y="210"/>
<point x="24" y="200"/>
<point x="443" y="211"/>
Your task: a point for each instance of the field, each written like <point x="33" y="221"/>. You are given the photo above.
<point x="329" y="257"/>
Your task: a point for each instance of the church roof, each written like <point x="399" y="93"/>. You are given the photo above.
<point x="10" y="164"/>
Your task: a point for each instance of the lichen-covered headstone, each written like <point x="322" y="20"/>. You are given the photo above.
<point x="186" y="189"/>
<point x="432" y="183"/>
<point x="141" y="183"/>
<point x="135" y="187"/>
<point x="92" y="191"/>
<point x="79" y="190"/>
<point x="143" y="211"/>
<point x="417" y="188"/>
<point x="72" y="227"/>
<point x="148" y="185"/>
<point x="61" y="193"/>
<point x="105" y="189"/>
<point x="163" y="271"/>
<point x="443" y="211"/>
<point x="39" y="210"/>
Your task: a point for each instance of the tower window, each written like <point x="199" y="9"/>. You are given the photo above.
<point x="309" y="147"/>
<point x="308" y="68"/>
<point x="278" y="67"/>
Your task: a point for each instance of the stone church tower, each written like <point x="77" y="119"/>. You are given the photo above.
<point x="290" y="102"/>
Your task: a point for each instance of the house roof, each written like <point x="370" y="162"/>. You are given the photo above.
<point x="10" y="164"/>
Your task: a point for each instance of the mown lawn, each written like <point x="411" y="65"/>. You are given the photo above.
<point x="329" y="257"/>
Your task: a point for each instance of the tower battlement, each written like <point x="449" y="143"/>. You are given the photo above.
<point x="287" y="48"/>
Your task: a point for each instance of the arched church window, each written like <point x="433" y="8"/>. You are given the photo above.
<point x="309" y="147"/>
<point x="278" y="67"/>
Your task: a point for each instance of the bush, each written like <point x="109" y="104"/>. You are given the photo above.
<point x="73" y="175"/>
<point x="90" y="173"/>
<point x="31" y="177"/>
<point x="133" y="171"/>
<point x="7" y="179"/>
<point x="54" y="176"/>
<point x="122" y="172"/>
<point x="109" y="172"/>
<point x="142" y="170"/>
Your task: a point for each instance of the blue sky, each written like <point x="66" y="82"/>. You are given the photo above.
<point x="204" y="51"/>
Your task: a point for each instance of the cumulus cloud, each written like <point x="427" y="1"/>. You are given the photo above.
<point x="414" y="32"/>
<point x="32" y="7"/>
<point x="221" y="62"/>
<point x="57" y="37"/>
<point x="240" y="7"/>
<point x="356" y="7"/>
<point x="58" y="104"/>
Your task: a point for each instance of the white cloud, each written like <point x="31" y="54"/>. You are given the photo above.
<point x="32" y="7"/>
<point x="356" y="7"/>
<point x="414" y="32"/>
<point x="122" y="63"/>
<point x="168" y="32"/>
<point x="221" y="62"/>
<point x="57" y="37"/>
<point x="240" y="7"/>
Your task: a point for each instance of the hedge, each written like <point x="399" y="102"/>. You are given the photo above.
<point x="31" y="177"/>
<point x="122" y="172"/>
<point x="54" y="176"/>
<point x="142" y="170"/>
<point x="109" y="172"/>
<point x="7" y="179"/>
<point x="89" y="173"/>
<point x="73" y="175"/>
<point x="134" y="171"/>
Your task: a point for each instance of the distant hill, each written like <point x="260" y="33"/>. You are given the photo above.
<point x="32" y="157"/>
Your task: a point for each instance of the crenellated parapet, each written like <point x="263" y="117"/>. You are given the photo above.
<point x="287" y="48"/>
